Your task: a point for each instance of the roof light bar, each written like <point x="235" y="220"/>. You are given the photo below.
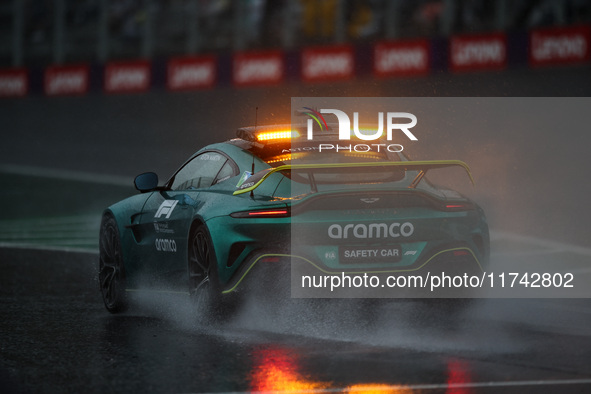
<point x="279" y="159"/>
<point x="277" y="135"/>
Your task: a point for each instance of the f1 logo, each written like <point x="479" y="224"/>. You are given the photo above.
<point x="166" y="208"/>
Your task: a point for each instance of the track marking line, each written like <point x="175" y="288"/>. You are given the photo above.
<point x="526" y="253"/>
<point x="70" y="175"/>
<point x="439" y="386"/>
<point x="540" y="242"/>
<point x="53" y="220"/>
<point x="15" y="245"/>
<point x="68" y="231"/>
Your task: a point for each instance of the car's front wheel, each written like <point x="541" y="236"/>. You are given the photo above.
<point x="111" y="273"/>
<point x="203" y="280"/>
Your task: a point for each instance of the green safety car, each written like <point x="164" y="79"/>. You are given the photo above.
<point x="271" y="198"/>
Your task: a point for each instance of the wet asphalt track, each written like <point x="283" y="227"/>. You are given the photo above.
<point x="65" y="159"/>
<point x="57" y="337"/>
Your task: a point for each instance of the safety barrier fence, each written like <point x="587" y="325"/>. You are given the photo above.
<point x="556" y="46"/>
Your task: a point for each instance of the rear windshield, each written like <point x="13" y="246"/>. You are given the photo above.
<point x="328" y="153"/>
<point x="346" y="153"/>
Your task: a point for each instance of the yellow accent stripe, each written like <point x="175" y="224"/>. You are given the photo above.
<point x="233" y="288"/>
<point x="355" y="165"/>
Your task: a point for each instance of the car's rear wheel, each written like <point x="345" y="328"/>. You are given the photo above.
<point x="111" y="273"/>
<point x="204" y="285"/>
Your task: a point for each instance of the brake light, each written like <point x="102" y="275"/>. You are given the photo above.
<point x="266" y="213"/>
<point x="280" y="212"/>
<point x="458" y="253"/>
<point x="277" y="135"/>
<point x="458" y="207"/>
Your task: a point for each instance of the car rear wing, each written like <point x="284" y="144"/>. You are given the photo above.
<point x="254" y="181"/>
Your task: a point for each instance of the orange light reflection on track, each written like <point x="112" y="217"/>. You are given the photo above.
<point x="276" y="371"/>
<point x="458" y="376"/>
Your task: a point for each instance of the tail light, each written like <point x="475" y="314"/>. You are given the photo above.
<point x="458" y="253"/>
<point x="458" y="206"/>
<point x="264" y="213"/>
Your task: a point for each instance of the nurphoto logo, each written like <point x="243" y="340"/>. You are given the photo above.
<point x="393" y="122"/>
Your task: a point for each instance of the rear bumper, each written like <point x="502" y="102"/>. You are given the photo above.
<point x="274" y="272"/>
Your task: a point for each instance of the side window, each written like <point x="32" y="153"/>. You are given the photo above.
<point x="199" y="172"/>
<point x="226" y="172"/>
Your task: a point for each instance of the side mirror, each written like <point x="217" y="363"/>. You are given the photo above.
<point x="146" y="182"/>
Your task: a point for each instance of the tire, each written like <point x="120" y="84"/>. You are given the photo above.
<point x="111" y="273"/>
<point x="204" y="285"/>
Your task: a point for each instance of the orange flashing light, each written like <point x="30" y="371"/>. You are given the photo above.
<point x="277" y="135"/>
<point x="281" y="158"/>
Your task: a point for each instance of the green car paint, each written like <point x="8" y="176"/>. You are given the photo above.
<point x="155" y="226"/>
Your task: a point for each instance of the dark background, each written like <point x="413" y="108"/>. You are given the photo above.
<point x="529" y="158"/>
